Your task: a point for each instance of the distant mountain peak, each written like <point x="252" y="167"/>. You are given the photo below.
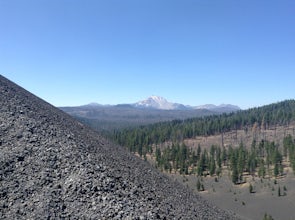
<point x="94" y="104"/>
<point x="207" y="106"/>
<point x="158" y="102"/>
<point x="235" y="107"/>
<point x="221" y="108"/>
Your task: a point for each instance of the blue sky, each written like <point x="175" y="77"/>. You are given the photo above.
<point x="194" y="52"/>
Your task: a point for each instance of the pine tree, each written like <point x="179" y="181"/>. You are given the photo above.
<point x="276" y="170"/>
<point x="261" y="171"/>
<point x="235" y="175"/>
<point x="158" y="156"/>
<point x="198" y="185"/>
<point x="212" y="167"/>
<point x="202" y="187"/>
<point x="200" y="168"/>
<point x="199" y="151"/>
<point x="218" y="157"/>
<point x="224" y="156"/>
<point x="241" y="160"/>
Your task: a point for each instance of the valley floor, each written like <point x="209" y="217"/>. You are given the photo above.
<point x="237" y="198"/>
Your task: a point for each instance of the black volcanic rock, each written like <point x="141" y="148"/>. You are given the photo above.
<point x="53" y="167"/>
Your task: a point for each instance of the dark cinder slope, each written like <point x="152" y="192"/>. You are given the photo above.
<point x="53" y="167"/>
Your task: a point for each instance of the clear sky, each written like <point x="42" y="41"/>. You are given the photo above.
<point x="73" y="52"/>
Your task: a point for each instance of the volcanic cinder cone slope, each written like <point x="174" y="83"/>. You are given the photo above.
<point x="53" y="167"/>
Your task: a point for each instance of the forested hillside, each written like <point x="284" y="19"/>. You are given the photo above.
<point x="262" y="157"/>
<point x="281" y="113"/>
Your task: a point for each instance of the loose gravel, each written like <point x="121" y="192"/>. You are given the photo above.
<point x="53" y="167"/>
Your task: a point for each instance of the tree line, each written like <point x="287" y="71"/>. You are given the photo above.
<point x="139" y="139"/>
<point x="263" y="158"/>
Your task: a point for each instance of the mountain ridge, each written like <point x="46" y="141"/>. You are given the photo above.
<point x="160" y="103"/>
<point x="152" y="110"/>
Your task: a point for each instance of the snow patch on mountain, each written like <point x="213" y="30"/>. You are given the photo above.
<point x="158" y="102"/>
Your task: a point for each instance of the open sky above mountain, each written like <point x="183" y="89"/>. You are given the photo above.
<point x="110" y="52"/>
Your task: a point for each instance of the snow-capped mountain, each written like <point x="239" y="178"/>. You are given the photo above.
<point x="157" y="102"/>
<point x="152" y="110"/>
<point x="160" y="103"/>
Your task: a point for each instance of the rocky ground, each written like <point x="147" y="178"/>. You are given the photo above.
<point x="53" y="167"/>
<point x="264" y="198"/>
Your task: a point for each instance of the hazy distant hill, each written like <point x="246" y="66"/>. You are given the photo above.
<point x="219" y="108"/>
<point x="152" y="110"/>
